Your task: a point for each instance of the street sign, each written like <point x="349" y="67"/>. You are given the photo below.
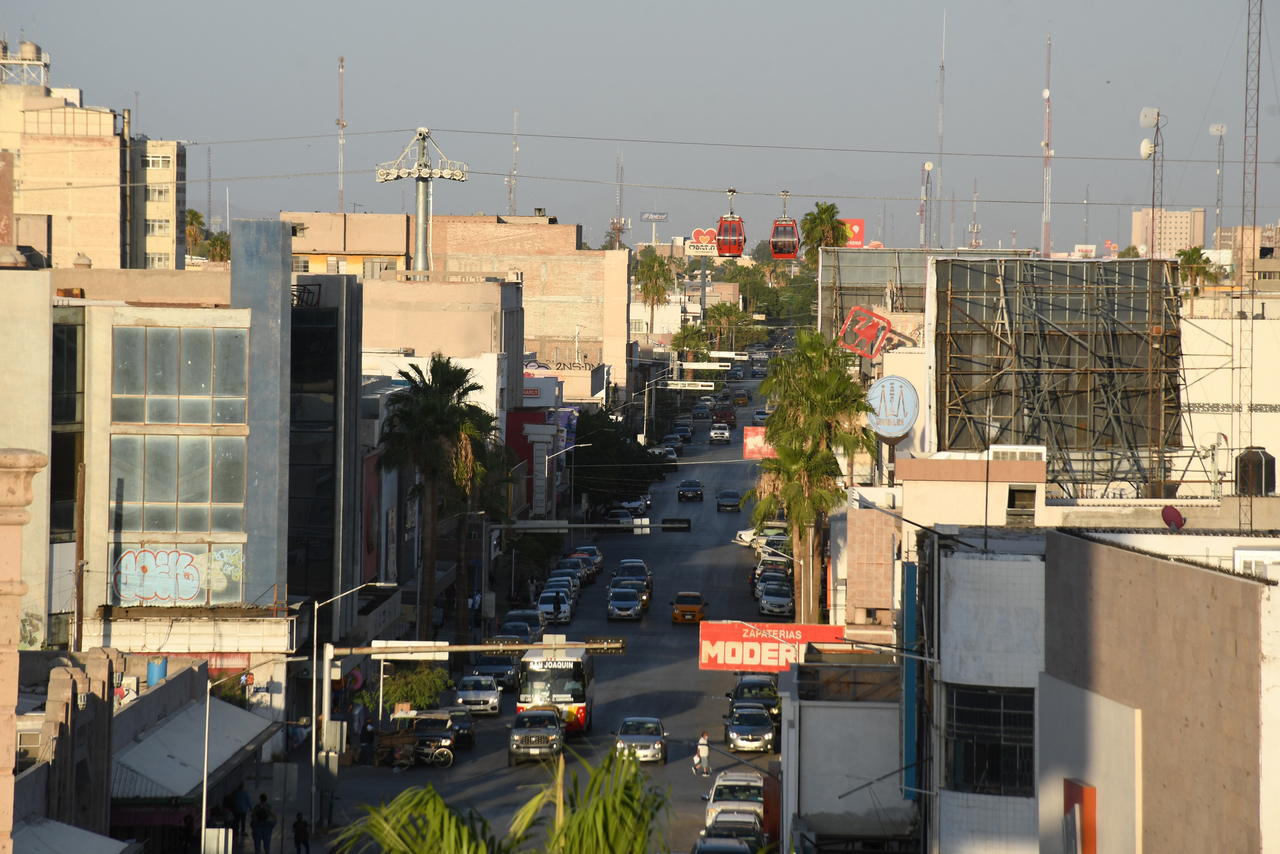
<point x="690" y="385"/>
<point x="728" y="354"/>
<point x="427" y="652"/>
<point x="607" y="646"/>
<point x="640" y="526"/>
<point x="706" y="366"/>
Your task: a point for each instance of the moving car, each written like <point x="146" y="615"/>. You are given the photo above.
<point x="744" y="826"/>
<point x="720" y="434"/>
<point x="736" y="791"/>
<point x="748" y="727"/>
<point x="728" y="499"/>
<point x="757" y="689"/>
<point x="634" y="568"/>
<point x="464" y="727"/>
<point x="674" y="442"/>
<point x="689" y="490"/>
<point x="778" y="600"/>
<point x="501" y="667"/>
<point x="634" y="506"/>
<point x="685" y="433"/>
<point x="734" y="374"/>
<point x="618" y="517"/>
<point x="701" y="411"/>
<point x="726" y="415"/>
<point x="537" y="733"/>
<point x="480" y="694"/>
<point x="688" y="607"/>
<point x="759" y="370"/>
<point x="741" y="398"/>
<point x="521" y="631"/>
<point x="646" y="737"/>
<point x="555" y="605"/>
<point x="535" y="618"/>
<point x="624" y="604"/>
<point x="666" y="457"/>
<point x="758" y="418"/>
<point x="637" y="585"/>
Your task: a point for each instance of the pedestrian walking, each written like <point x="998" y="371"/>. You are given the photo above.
<point x="301" y="836"/>
<point x="263" y="824"/>
<point x="533" y="594"/>
<point x="702" y="757"/>
<point x="241" y="803"/>
<point x="367" y="739"/>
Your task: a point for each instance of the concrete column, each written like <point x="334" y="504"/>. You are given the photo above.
<point x="17" y="468"/>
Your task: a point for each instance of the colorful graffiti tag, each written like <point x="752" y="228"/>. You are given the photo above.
<point x="170" y="576"/>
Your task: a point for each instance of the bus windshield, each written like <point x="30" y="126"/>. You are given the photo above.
<point x="557" y="685"/>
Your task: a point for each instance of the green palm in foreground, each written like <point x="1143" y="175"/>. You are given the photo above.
<point x="614" y="809"/>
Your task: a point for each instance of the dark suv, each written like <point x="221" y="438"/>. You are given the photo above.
<point x="757" y="689"/>
<point x="538" y="733"/>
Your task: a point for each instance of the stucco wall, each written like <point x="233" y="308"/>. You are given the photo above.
<point x="197" y="287"/>
<point x="1181" y="644"/>
<point x="1084" y="736"/>
<point x="993" y="611"/>
<point x="986" y="824"/>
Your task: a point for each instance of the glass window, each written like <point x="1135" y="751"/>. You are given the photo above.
<point x="158" y="261"/>
<point x="158" y="193"/>
<point x="179" y="371"/>
<point x="158" y="228"/>
<point x="230" y="362"/>
<point x="127" y="410"/>
<point x="228" y="469"/>
<point x="161" y="480"/>
<point x="163" y="360"/>
<point x="229" y="410"/>
<point x="157" y="161"/>
<point x="195" y="410"/>
<point x="162" y="410"/>
<point x="126" y="469"/>
<point x="193" y="470"/>
<point x="990" y="740"/>
<point x="301" y="264"/>
<point x="197" y="362"/>
<point x="130" y="357"/>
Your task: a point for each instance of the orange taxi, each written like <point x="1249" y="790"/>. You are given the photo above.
<point x="688" y="607"/>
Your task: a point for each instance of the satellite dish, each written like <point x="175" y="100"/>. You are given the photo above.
<point x="1149" y="118"/>
<point x="1142" y="249"/>
<point x="1146" y="148"/>
<point x="1171" y="517"/>
<point x="928" y="166"/>
<point x="1045" y="94"/>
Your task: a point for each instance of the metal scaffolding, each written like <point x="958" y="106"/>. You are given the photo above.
<point x="1065" y="354"/>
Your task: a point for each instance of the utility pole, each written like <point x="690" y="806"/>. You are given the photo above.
<point x="515" y="151"/>
<point x="942" y="88"/>
<point x="1086" y="214"/>
<point x="342" y="126"/>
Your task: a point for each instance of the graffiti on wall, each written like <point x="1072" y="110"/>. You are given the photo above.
<point x="158" y="576"/>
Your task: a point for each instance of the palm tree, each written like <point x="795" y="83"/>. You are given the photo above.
<point x="722" y="316"/>
<point x="194" y="230"/>
<point x="821" y="227"/>
<point x="653" y="276"/>
<point x="802" y="483"/>
<point x="417" y="821"/>
<point x="423" y="431"/>
<point x="475" y="432"/>
<point x="219" y="247"/>
<point x="1195" y="266"/>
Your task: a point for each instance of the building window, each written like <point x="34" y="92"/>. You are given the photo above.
<point x="159" y="261"/>
<point x="301" y="265"/>
<point x="157" y="161"/>
<point x="191" y="574"/>
<point x="990" y="740"/>
<point x="373" y="267"/>
<point x="159" y="192"/>
<point x="187" y="484"/>
<point x="165" y="375"/>
<point x="157" y="228"/>
<point x="637" y="326"/>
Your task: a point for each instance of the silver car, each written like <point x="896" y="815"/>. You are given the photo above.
<point x="480" y="694"/>
<point x="624" y="604"/>
<point x="749" y="727"/>
<point x="646" y="737"/>
<point x="777" y="600"/>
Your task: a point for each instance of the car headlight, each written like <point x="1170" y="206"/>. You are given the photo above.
<point x="657" y="745"/>
<point x="621" y="745"/>
<point x="445" y="742"/>
<point x="768" y="736"/>
<point x="459" y="700"/>
<point x="514" y="737"/>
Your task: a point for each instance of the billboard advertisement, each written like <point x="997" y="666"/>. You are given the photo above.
<point x="703" y="242"/>
<point x="758" y="647"/>
<point x="652" y="216"/>
<point x="754" y="446"/>
<point x="857" y="235"/>
<point x="895" y="405"/>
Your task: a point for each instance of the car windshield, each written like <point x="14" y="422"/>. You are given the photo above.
<point x="538" y="720"/>
<point x="739" y="792"/>
<point x="756" y="692"/>
<point x="688" y="599"/>
<point x="690" y="483"/>
<point x="460" y="716"/>
<point x="515" y="629"/>
<point x="729" y="495"/>
<point x="772" y="578"/>
<point x="623" y="594"/>
<point x="551" y="598"/>
<point x="637" y="586"/>
<point x="477" y="683"/>
<point x="431" y="725"/>
<point x="640" y="728"/>
<point x="750" y="717"/>
<point x="777" y="588"/>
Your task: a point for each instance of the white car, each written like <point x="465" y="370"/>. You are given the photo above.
<point x="776" y="600"/>
<point x="739" y="791"/>
<point x="750" y="537"/>
<point x="719" y="433"/>
<point x="480" y="695"/>
<point x="759" y="417"/>
<point x="556" y="606"/>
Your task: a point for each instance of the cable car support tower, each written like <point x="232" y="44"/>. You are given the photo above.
<point x="415" y="162"/>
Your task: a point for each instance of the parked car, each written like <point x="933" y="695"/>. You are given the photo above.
<point x="729" y="825"/>
<point x="777" y="600"/>
<point x="728" y="499"/>
<point x="665" y="456"/>
<point x="519" y="630"/>
<point x="720" y="434"/>
<point x="734" y="374"/>
<point x="674" y="442"/>
<point x="645" y="737"/>
<point x="597" y="556"/>
<point x="689" y="490"/>
<point x="685" y="433"/>
<point x="764" y="579"/>
<point x="618" y="517"/>
<point x="755" y="688"/>
<point x="556" y="606"/>
<point x="537" y="733"/>
<point x="535" y="618"/>
<point x="750" y="536"/>
<point x="634" y="506"/>
<point x="737" y="791"/>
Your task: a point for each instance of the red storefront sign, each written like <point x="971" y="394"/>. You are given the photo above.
<point x="758" y="647"/>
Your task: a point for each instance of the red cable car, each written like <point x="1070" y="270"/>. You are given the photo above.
<point x="731" y="233"/>
<point x="784" y="242"/>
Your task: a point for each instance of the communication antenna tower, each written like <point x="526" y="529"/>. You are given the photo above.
<point x="415" y="162"/>
<point x="1046" y="246"/>
<point x="974" y="228"/>
<point x="515" y="152"/>
<point x="952" y="244"/>
<point x="342" y="125"/>
<point x="924" y="203"/>
<point x="1220" y="131"/>
<point x="618" y="225"/>
<point x="1249" y="218"/>
<point x="937" y="186"/>
<point x="1086" y="214"/>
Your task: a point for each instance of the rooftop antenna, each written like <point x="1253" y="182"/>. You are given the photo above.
<point x="953" y="220"/>
<point x="515" y="151"/>
<point x="942" y="86"/>
<point x="342" y="125"/>
<point x="1046" y="245"/>
<point x="415" y="162"/>
<point x="618" y="225"/>
<point x="1220" y="131"/>
<point x="1086" y="214"/>
<point x="974" y="228"/>
<point x="1248" y="219"/>
<point x="924" y="204"/>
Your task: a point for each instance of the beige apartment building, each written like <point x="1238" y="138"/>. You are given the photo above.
<point x="83" y="184"/>
<point x="576" y="301"/>
<point x="1174" y="230"/>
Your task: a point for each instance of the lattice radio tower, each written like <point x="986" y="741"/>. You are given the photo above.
<point x="1046" y="246"/>
<point x="515" y="152"/>
<point x="1249" y="245"/>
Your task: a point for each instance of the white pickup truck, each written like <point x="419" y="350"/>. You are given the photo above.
<point x="719" y="433"/>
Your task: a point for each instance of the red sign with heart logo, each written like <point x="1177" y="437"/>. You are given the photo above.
<point x="704" y="235"/>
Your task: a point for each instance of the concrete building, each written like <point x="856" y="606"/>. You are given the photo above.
<point x="576" y="301"/>
<point x="1174" y="230"/>
<point x="73" y="166"/>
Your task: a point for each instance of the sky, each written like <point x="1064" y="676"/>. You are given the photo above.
<point x="696" y="96"/>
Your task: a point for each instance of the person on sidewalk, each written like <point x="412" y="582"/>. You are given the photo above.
<point x="301" y="836"/>
<point x="702" y="757"/>
<point x="368" y="739"/>
<point x="263" y="824"/>
<point x="241" y="803"/>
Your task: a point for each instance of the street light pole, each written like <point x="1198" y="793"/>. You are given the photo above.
<point x="546" y="468"/>
<point x="315" y="680"/>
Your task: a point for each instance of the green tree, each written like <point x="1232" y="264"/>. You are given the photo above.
<point x="800" y="482"/>
<point x="722" y="316"/>
<point x="763" y="253"/>
<point x="689" y="341"/>
<point x="419" y="686"/>
<point x="218" y="247"/>
<point x="653" y="276"/>
<point x="418" y="821"/>
<point x="476" y="433"/>
<point x="1129" y="251"/>
<point x="821" y="227"/>
<point x="424" y="432"/>
<point x="194" y="231"/>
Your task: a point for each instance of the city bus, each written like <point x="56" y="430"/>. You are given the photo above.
<point x="564" y="678"/>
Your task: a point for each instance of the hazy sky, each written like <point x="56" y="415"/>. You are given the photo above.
<point x="244" y="75"/>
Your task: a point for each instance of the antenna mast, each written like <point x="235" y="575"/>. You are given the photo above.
<point x="1086" y="214"/>
<point x="942" y="87"/>
<point x="515" y="151"/>
<point x="618" y="225"/>
<point x="1249" y="244"/>
<point x="975" y="229"/>
<point x="1046" y="245"/>
<point x="1220" y="132"/>
<point x="342" y="141"/>
<point x="953" y="219"/>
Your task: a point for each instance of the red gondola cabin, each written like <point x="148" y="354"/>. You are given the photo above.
<point x="731" y="237"/>
<point x="784" y="243"/>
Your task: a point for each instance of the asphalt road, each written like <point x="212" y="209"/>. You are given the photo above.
<point x="658" y="676"/>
